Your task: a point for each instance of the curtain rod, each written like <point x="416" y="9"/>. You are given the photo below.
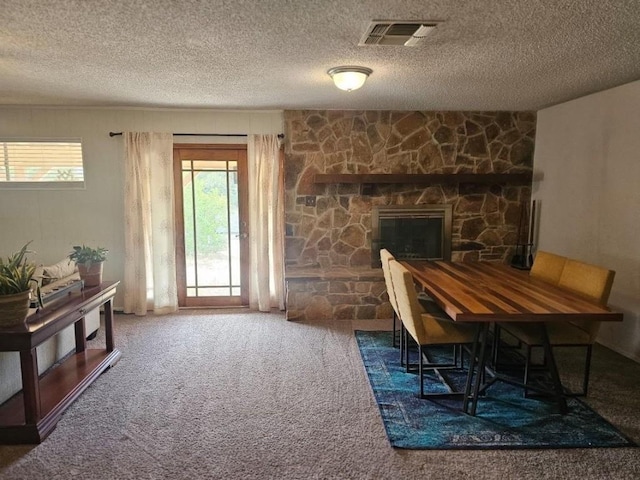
<point x="280" y="135"/>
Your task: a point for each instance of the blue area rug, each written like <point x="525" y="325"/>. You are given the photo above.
<point x="504" y="419"/>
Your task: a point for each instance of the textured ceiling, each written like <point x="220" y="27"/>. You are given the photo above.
<point x="274" y="54"/>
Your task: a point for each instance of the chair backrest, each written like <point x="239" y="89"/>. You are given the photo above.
<point x="409" y="308"/>
<point x="591" y="282"/>
<point x="385" y="257"/>
<point x="548" y="267"/>
<point x="587" y="280"/>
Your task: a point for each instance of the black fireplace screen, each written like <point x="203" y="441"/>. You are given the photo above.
<point x="420" y="232"/>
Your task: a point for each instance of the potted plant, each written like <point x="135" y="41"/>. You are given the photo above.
<point x="16" y="281"/>
<point x="89" y="261"/>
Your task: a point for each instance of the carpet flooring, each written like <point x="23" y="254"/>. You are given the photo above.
<point x="505" y="419"/>
<point x="217" y="394"/>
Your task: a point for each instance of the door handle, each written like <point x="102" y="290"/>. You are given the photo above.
<point x="242" y="235"/>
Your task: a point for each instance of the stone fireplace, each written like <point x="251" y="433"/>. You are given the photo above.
<point x="330" y="238"/>
<point x="417" y="232"/>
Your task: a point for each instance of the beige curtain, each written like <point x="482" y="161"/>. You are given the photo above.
<point x="266" y="223"/>
<point x="150" y="264"/>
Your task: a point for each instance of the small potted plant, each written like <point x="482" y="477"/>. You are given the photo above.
<point x="16" y="281"/>
<point x="89" y="261"/>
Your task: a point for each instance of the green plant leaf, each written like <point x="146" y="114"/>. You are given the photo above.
<point x="16" y="273"/>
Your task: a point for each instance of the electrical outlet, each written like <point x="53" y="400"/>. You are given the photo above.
<point x="310" y="201"/>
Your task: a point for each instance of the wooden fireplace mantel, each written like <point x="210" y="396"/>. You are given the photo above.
<point x="424" y="179"/>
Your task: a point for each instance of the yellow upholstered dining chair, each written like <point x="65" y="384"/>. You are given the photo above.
<point x="548" y="267"/>
<point x="426" y="329"/>
<point x="426" y="304"/>
<point x="589" y="281"/>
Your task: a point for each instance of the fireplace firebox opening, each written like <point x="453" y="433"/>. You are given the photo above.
<point x="416" y="232"/>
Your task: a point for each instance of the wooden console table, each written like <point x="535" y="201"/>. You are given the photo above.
<point x="31" y="415"/>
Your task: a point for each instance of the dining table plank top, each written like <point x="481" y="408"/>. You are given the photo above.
<point x="488" y="292"/>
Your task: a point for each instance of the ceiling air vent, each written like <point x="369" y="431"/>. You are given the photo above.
<point x="407" y="34"/>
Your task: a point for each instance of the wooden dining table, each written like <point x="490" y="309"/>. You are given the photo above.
<point x="485" y="292"/>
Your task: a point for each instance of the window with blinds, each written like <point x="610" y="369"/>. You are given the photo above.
<point x="41" y="164"/>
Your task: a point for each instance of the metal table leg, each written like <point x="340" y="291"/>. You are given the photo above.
<point x="553" y="369"/>
<point x="472" y="365"/>
<point x="482" y="362"/>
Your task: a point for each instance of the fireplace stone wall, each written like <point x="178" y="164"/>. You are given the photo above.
<point x="328" y="227"/>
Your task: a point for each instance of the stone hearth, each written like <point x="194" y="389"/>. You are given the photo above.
<point x="340" y="293"/>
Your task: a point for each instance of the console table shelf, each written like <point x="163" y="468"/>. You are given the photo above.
<point x="31" y="415"/>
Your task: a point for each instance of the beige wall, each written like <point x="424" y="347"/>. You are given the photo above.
<point x="589" y="153"/>
<point x="57" y="220"/>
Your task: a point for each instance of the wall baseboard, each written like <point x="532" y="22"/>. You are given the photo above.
<point x="622" y="352"/>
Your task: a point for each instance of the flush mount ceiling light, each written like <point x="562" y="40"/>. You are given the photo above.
<point x="349" y="77"/>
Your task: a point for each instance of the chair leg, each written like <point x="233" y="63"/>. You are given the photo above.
<point x="420" y="371"/>
<point x="587" y="370"/>
<point x="403" y="343"/>
<point x="496" y="344"/>
<point x="527" y="363"/>
<point x="393" y="334"/>
<point x="406" y="350"/>
<point x="458" y="356"/>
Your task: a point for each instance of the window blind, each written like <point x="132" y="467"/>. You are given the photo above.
<point x="38" y="163"/>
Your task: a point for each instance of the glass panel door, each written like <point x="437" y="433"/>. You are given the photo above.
<point x="212" y="225"/>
